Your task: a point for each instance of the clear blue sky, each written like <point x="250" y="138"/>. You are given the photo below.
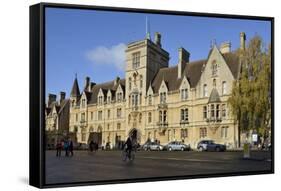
<point x="89" y="42"/>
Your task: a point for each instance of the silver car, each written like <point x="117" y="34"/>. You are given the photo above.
<point x="177" y="146"/>
<point x="155" y="147"/>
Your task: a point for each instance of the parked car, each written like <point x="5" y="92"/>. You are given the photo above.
<point x="210" y="145"/>
<point x="177" y="146"/>
<point x="81" y="146"/>
<point x="145" y="146"/>
<point x="155" y="147"/>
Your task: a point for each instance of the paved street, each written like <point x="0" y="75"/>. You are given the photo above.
<point x="108" y="165"/>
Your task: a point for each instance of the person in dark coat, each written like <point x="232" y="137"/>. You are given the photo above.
<point x="129" y="145"/>
<point x="92" y="146"/>
<point x="59" y="148"/>
<point x="65" y="147"/>
<point x="70" y="147"/>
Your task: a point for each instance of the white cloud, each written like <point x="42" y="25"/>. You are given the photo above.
<point x="114" y="55"/>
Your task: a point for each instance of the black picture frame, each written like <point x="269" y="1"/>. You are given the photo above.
<point x="37" y="92"/>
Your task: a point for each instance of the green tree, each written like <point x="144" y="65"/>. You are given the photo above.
<point x="250" y="101"/>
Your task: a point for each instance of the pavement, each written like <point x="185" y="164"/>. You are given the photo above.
<point x="108" y="165"/>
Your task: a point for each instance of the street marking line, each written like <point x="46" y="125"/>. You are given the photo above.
<point x="178" y="159"/>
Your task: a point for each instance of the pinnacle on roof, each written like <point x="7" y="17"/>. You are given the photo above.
<point x="75" y="89"/>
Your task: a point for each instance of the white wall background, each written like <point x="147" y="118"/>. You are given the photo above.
<point x="14" y="72"/>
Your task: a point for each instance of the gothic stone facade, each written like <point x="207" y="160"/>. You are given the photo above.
<point x="186" y="102"/>
<point x="57" y="118"/>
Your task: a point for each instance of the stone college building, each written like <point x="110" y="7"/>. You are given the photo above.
<point x="186" y="102"/>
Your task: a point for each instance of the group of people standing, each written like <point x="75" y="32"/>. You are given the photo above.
<point x="66" y="145"/>
<point x="93" y="146"/>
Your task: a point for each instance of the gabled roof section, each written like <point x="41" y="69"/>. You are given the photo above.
<point x="106" y="87"/>
<point x="232" y="60"/>
<point x="64" y="104"/>
<point x="193" y="71"/>
<point x="214" y="97"/>
<point x="170" y="76"/>
<point x="88" y="95"/>
<point x="75" y="89"/>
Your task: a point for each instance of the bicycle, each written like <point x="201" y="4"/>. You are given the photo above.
<point x="125" y="155"/>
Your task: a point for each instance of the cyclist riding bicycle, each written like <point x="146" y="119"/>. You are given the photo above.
<point x="129" y="147"/>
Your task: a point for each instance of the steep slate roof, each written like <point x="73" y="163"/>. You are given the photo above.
<point x="105" y="87"/>
<point x="75" y="89"/>
<point x="169" y="75"/>
<point x="232" y="61"/>
<point x="214" y="97"/>
<point x="88" y="95"/>
<point x="192" y="71"/>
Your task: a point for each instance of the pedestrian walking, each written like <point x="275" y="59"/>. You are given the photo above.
<point x="70" y="147"/>
<point x="92" y="146"/>
<point x="58" y="148"/>
<point x="65" y="146"/>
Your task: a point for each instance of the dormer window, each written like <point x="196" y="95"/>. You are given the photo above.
<point x="184" y="94"/>
<point x="119" y="96"/>
<point x="108" y="99"/>
<point x="136" y="60"/>
<point x="149" y="99"/>
<point x="100" y="100"/>
<point x="83" y="103"/>
<point x="163" y="97"/>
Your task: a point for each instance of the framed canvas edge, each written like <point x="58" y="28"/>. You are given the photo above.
<point x="37" y="93"/>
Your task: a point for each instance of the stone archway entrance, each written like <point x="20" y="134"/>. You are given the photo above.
<point x="96" y="136"/>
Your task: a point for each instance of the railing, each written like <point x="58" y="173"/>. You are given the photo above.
<point x="162" y="124"/>
<point x="213" y="119"/>
<point x="83" y="121"/>
<point x="162" y="106"/>
<point x="184" y="122"/>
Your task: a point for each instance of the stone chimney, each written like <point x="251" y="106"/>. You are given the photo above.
<point x="62" y="96"/>
<point x="183" y="59"/>
<point x="51" y="98"/>
<point x="157" y="39"/>
<point x="116" y="80"/>
<point x="87" y="83"/>
<point x="242" y="41"/>
<point x="225" y="47"/>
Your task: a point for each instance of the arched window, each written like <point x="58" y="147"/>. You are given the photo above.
<point x="149" y="99"/>
<point x="224" y="88"/>
<point x="149" y="117"/>
<point x="130" y="83"/>
<point x="205" y="90"/>
<point x="129" y="118"/>
<point x="214" y="82"/>
<point x="83" y="134"/>
<point x="214" y="68"/>
<point x="140" y="116"/>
